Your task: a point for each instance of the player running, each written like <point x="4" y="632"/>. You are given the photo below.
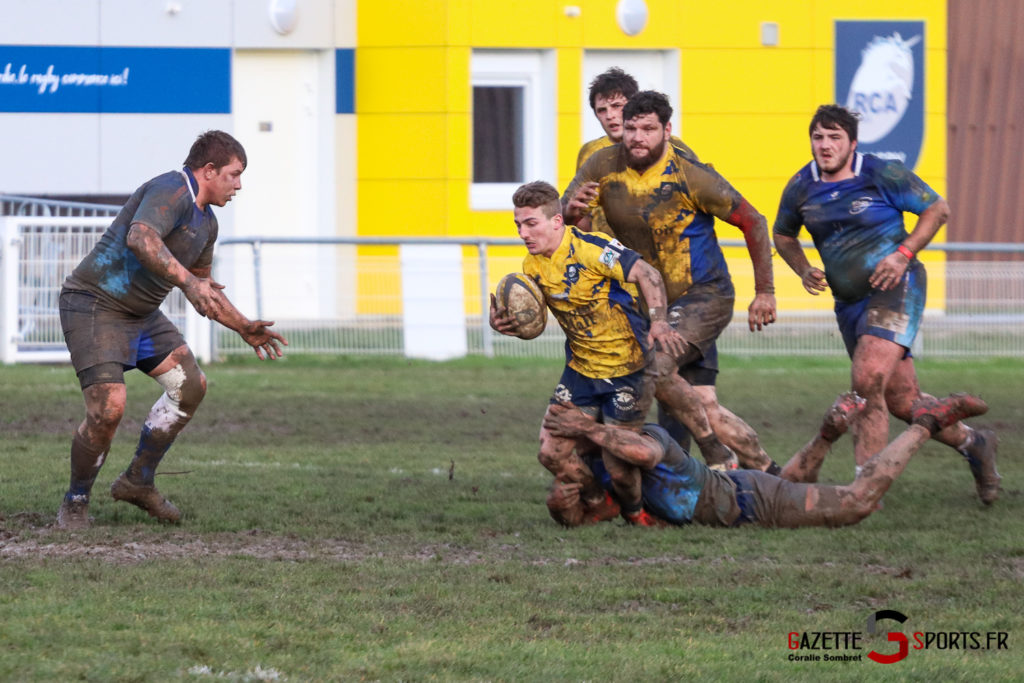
<point x="852" y="205"/>
<point x="608" y="341"/>
<point x="661" y="202"/>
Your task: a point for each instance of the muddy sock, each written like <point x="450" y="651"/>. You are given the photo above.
<point x="152" y="447"/>
<point x="629" y="509"/>
<point x="86" y="461"/>
<point x="964" y="449"/>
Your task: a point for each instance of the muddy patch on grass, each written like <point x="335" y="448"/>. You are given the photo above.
<point x="47" y="543"/>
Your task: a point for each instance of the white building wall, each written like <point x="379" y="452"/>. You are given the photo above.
<point x="310" y="147"/>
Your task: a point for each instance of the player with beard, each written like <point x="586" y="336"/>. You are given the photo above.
<point x="852" y="205"/>
<point x="661" y="202"/>
<point x="679" y="490"/>
<point x="609" y="93"/>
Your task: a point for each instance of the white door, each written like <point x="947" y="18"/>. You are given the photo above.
<point x="284" y="118"/>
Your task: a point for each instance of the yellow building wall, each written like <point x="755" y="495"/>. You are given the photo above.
<point x="743" y="107"/>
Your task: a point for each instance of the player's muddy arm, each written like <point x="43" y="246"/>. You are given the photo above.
<point x="928" y="223"/>
<point x="755" y="232"/>
<point x="148" y="247"/>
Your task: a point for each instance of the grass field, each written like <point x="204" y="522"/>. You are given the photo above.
<point x="383" y="519"/>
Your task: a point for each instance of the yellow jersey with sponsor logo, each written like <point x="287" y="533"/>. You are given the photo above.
<point x="582" y="281"/>
<point x="666" y="213"/>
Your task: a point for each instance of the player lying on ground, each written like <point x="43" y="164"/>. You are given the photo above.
<point x="680" y="489"/>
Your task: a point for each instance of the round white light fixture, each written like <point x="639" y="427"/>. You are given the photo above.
<point x="283" y="15"/>
<point x="632" y="16"/>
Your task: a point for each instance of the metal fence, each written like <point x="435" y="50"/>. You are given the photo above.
<point x="364" y="302"/>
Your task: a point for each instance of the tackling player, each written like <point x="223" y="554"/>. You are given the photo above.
<point x="678" y="489"/>
<point x="162" y="238"/>
<point x="852" y="205"/>
<point x="661" y="202"/>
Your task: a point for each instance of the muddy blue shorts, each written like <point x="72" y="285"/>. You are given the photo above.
<point x="623" y="400"/>
<point x="105" y="343"/>
<point x="894" y="314"/>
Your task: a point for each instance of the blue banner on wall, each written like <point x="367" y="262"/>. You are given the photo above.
<point x="880" y="75"/>
<point x="345" y="81"/>
<point x="115" y="80"/>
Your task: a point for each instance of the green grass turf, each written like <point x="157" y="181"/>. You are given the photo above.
<point x="383" y="519"/>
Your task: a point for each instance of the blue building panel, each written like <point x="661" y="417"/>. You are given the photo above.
<point x="115" y="80"/>
<point x="345" y="81"/>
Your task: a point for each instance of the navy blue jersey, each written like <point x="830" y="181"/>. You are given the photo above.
<point x="855" y="223"/>
<point x="167" y="205"/>
<point x="679" y="489"/>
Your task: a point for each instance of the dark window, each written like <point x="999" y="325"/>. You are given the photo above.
<point x="498" y="136"/>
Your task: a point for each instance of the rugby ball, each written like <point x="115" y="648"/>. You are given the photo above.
<point x="524" y="301"/>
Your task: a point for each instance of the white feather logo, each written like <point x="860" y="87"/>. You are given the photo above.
<point x="881" y="88"/>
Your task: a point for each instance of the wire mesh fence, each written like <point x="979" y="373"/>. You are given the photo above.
<point x="353" y="295"/>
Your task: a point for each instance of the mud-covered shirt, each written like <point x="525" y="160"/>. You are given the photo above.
<point x="681" y="489"/>
<point x="167" y="205"/>
<point x="856" y="222"/>
<point x="667" y="213"/>
<point x="583" y="284"/>
<point x="598" y="222"/>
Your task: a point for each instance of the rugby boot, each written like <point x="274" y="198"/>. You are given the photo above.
<point x="938" y="413"/>
<point x="837" y="419"/>
<point x="145" y="497"/>
<point x="717" y="455"/>
<point x="602" y="510"/>
<point x="73" y="514"/>
<point x="644" y="518"/>
<point x="981" y="456"/>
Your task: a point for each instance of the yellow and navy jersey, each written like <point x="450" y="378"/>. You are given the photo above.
<point x="667" y="213"/>
<point x="588" y="148"/>
<point x="606" y="336"/>
<point x="598" y="222"/>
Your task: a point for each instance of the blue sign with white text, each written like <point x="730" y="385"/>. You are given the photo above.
<point x="115" y="80"/>
<point x="880" y="75"/>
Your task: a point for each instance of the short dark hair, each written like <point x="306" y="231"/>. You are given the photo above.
<point x="648" y="102"/>
<point x="835" y="116"/>
<point x="538" y="194"/>
<point x="612" y="81"/>
<point x="215" y="147"/>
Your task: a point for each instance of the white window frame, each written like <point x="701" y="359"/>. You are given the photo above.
<point x="534" y="71"/>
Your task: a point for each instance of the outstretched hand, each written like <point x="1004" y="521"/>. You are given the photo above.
<point x="265" y="342"/>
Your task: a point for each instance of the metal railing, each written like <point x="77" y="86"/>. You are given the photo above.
<point x="354" y="296"/>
